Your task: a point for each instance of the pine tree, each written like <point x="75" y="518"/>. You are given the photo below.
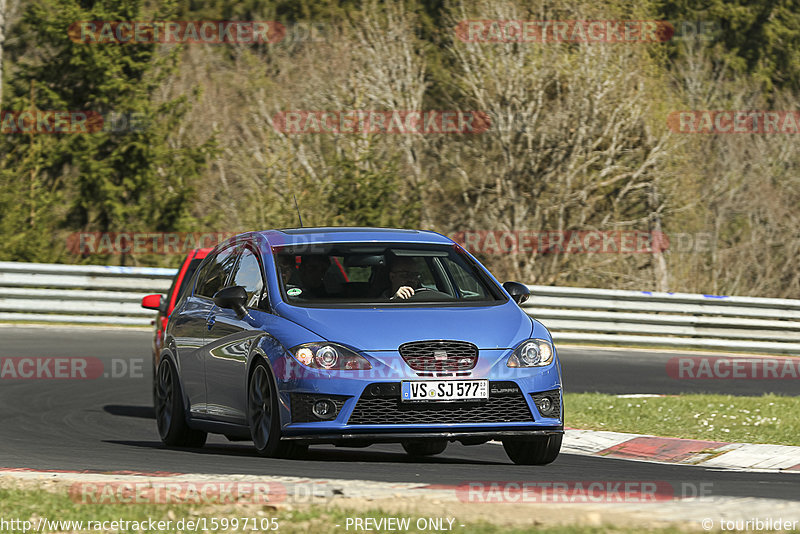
<point x="133" y="175"/>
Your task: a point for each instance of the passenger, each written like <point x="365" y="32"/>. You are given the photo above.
<point x="287" y="266"/>
<point x="312" y="276"/>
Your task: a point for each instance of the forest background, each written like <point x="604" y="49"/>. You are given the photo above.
<point x="579" y="139"/>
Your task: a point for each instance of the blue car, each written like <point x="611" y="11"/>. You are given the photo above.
<point x="355" y="336"/>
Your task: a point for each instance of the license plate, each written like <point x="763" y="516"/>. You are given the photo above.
<point x="444" y="390"/>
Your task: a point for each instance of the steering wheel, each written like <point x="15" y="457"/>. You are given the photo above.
<point x="432" y="293"/>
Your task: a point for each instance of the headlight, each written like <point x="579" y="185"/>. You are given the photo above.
<point x="532" y="353"/>
<point x="329" y="356"/>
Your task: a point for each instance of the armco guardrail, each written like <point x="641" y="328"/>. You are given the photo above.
<point x="685" y="320"/>
<point x="111" y="295"/>
<point x="96" y="294"/>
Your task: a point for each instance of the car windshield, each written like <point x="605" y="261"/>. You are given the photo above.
<point x="359" y="274"/>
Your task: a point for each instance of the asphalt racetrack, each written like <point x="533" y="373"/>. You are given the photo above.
<point x="106" y="424"/>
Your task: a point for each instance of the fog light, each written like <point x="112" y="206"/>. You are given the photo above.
<point x="545" y="405"/>
<point x="324" y="409"/>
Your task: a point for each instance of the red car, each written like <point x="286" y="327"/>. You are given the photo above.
<point x="166" y="305"/>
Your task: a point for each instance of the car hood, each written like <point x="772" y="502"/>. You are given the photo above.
<point x="377" y="329"/>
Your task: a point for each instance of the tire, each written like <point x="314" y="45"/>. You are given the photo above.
<point x="263" y="417"/>
<point x="425" y="448"/>
<point x="154" y="385"/>
<point x="170" y="413"/>
<point x="536" y="451"/>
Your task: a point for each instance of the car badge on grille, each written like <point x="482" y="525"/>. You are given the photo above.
<point x="439" y="355"/>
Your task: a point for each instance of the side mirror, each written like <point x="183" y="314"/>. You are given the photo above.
<point x="519" y="292"/>
<point x="152" y="302"/>
<point x="234" y="298"/>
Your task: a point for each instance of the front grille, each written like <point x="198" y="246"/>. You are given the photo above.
<point x="555" y="399"/>
<point x="506" y="404"/>
<point x="303" y="403"/>
<point x="439" y="355"/>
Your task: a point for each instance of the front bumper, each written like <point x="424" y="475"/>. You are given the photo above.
<point x="464" y="435"/>
<point x="368" y="413"/>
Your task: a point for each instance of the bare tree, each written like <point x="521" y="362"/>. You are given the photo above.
<point x="572" y="147"/>
<point x="742" y="190"/>
<point x="372" y="62"/>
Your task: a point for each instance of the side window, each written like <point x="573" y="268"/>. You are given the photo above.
<point x="215" y="273"/>
<point x="172" y="288"/>
<point x="187" y="278"/>
<point x="248" y="275"/>
<point x="467" y="284"/>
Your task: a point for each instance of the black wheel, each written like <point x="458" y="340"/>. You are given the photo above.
<point x="540" y="450"/>
<point x="425" y="448"/>
<point x="170" y="415"/>
<point x="154" y="384"/>
<point x="264" y="418"/>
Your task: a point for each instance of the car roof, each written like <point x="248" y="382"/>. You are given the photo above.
<point x="298" y="236"/>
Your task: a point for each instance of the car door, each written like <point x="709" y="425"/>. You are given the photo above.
<point x="190" y="323"/>
<point x="228" y="339"/>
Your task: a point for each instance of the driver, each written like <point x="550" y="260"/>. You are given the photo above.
<point x="403" y="278"/>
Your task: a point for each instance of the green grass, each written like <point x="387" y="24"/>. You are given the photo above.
<point x="31" y="504"/>
<point x="767" y="419"/>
